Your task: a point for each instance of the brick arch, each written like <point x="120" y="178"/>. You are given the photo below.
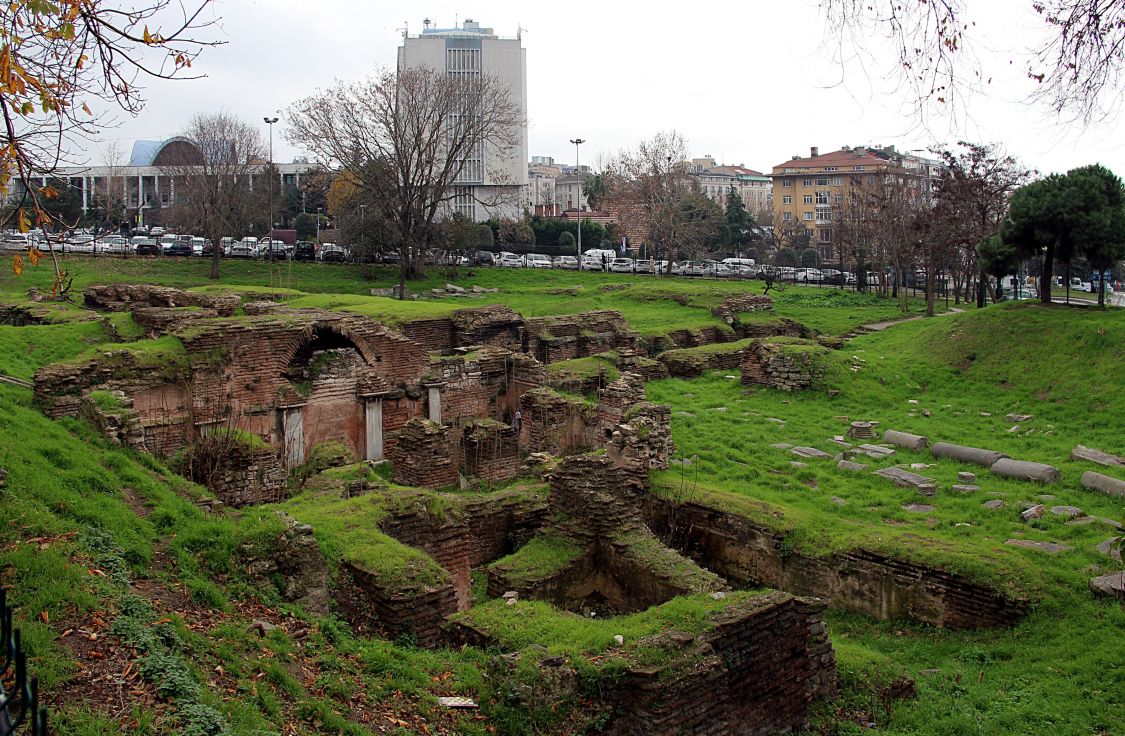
<point x="329" y="335"/>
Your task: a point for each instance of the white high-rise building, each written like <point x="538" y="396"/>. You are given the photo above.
<point x="492" y="186"/>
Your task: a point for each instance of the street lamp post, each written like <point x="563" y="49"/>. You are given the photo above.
<point x="363" y="225"/>
<point x="270" y="121"/>
<point x="578" y="199"/>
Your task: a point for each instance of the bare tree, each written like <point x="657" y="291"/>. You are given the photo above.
<point x="973" y="194"/>
<point x="408" y="140"/>
<point x="1078" y="66"/>
<point x="652" y="186"/>
<point x="59" y="57"/>
<point x="211" y="173"/>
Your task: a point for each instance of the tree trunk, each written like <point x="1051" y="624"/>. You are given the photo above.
<point x="1101" y="289"/>
<point x="980" y="288"/>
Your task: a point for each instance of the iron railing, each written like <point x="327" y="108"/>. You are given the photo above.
<point x="20" y="706"/>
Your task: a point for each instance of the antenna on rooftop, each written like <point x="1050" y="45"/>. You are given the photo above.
<point x="405" y="29"/>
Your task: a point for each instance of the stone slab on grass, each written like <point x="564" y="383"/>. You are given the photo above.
<point x="854" y="467"/>
<point x="1033" y="513"/>
<point x="1051" y="548"/>
<point x="918" y="508"/>
<point x="993" y="505"/>
<point x="959" y="488"/>
<point x="1101" y="457"/>
<point x="1070" y="511"/>
<point x="1110" y="548"/>
<point x="1084" y="520"/>
<point x="1109" y="586"/>
<point x="906" y="479"/>
<point x="963" y="477"/>
<point x="810" y="452"/>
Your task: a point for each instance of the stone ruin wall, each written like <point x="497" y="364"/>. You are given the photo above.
<point x="471" y="535"/>
<point x="861" y="581"/>
<point x="770" y="365"/>
<point x="757" y="672"/>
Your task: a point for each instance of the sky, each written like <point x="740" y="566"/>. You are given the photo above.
<point x="750" y="83"/>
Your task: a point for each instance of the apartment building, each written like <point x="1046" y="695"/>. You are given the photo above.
<point x="493" y="182"/>
<point x="809" y="191"/>
<point x="753" y="187"/>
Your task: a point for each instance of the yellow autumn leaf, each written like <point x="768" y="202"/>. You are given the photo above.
<point x="33" y="256"/>
<point x="23" y="221"/>
<point x="17" y="265"/>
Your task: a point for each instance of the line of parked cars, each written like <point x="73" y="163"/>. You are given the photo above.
<point x="158" y="243"/>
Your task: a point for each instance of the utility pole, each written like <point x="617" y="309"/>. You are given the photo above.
<point x="578" y="199"/>
<point x="270" y="121"/>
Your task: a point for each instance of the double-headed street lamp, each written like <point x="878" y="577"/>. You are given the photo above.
<point x="270" y="121"/>
<point x="578" y="199"/>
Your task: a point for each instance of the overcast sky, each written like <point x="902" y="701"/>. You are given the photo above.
<point x="749" y="83"/>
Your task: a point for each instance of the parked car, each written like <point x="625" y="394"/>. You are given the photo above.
<point x="692" y="268"/>
<point x="536" y="260"/>
<point x="621" y="265"/>
<point x="274" y="250"/>
<point x="482" y="258"/>
<point x="304" y="250"/>
<point x="593" y="263"/>
<point x="510" y="260"/>
<point x="332" y="253"/>
<point x="245" y="248"/>
<point x="143" y="246"/>
<point x="112" y="244"/>
<point x="181" y="246"/>
<point x="643" y="265"/>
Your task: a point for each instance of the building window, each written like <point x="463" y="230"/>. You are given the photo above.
<point x="830" y="168"/>
<point x="822" y="197"/>
<point x="837" y="181"/>
<point x="859" y="168"/>
<point x="787" y="216"/>
<point x="808" y="199"/>
<point x="822" y="181"/>
<point x="464" y="204"/>
<point x="838" y="199"/>
<point x="807" y="182"/>
<point x="808" y="217"/>
<point x="787" y="199"/>
<point x="826" y="235"/>
<point x="823" y="214"/>
<point x="787" y="183"/>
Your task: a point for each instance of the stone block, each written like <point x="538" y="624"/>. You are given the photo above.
<point x="1051" y="548"/>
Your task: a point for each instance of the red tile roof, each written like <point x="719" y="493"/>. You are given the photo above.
<point x="839" y="159"/>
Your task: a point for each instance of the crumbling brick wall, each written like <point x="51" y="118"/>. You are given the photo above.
<point x="489" y="450"/>
<point x="426" y="455"/>
<point x="728" y="310"/>
<point x="554" y="423"/>
<point x="369" y="606"/>
<point x="244" y="476"/>
<point x="562" y="337"/>
<point x="784" y="366"/>
<point x="123" y="297"/>
<point x="495" y="325"/>
<point x="757" y="672"/>
<point x="861" y="581"/>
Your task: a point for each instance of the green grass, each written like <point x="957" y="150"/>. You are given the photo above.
<point x="1064" y="367"/>
<point x="545" y="555"/>
<point x="23" y="350"/>
<point x="348" y="529"/>
<point x="653" y="306"/>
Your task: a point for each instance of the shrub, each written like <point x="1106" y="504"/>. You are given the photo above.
<point x="566" y="240"/>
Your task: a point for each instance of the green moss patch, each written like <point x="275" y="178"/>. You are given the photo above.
<point x="545" y="555"/>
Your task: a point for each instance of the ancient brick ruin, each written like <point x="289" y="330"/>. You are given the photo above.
<point x="438" y="398"/>
<point x="788" y="366"/>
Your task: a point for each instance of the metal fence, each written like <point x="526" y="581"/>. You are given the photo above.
<point x="19" y="705"/>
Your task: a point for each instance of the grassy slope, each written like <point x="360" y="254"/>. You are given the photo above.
<point x="1064" y="367"/>
<point x="653" y="306"/>
<point x="1058" y="670"/>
